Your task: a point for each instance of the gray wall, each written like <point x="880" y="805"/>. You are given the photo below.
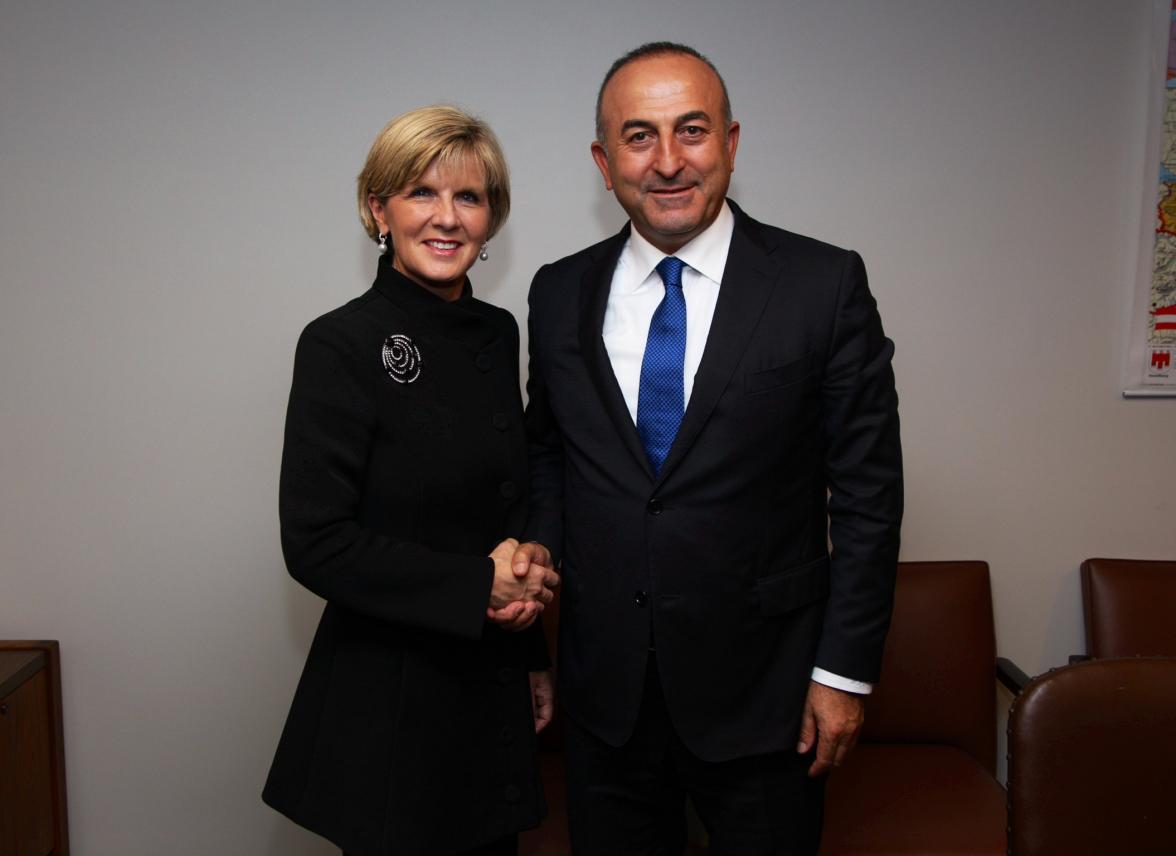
<point x="177" y="204"/>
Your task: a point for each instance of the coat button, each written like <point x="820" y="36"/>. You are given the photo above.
<point x="483" y="362"/>
<point x="654" y="506"/>
<point x="506" y="735"/>
<point x="640" y="598"/>
<point x="499" y="421"/>
<point x="504" y="675"/>
<point x="511" y="794"/>
<point x="508" y="490"/>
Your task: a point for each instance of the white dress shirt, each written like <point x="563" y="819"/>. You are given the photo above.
<point x="633" y="297"/>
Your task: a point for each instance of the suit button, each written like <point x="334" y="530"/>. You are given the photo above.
<point x="504" y="675"/>
<point x="640" y="598"/>
<point x="506" y="735"/>
<point x="508" y="490"/>
<point x="483" y="362"/>
<point x="654" y="506"/>
<point x="499" y="421"/>
<point x="512" y="794"/>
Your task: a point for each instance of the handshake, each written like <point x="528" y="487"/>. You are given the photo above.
<point x="524" y="582"/>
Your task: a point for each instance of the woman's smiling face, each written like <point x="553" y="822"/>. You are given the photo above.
<point x="437" y="224"/>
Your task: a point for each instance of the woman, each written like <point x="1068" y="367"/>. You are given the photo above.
<point x="403" y="474"/>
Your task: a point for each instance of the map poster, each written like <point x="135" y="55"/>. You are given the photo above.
<point x="1159" y="351"/>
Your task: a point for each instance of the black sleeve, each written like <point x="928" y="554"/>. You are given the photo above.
<point x="863" y="469"/>
<point x="544" y="443"/>
<point x="330" y="425"/>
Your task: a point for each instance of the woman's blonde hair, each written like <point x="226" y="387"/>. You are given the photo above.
<point x="413" y="141"/>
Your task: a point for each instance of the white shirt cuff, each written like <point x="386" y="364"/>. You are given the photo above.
<point x="839" y="683"/>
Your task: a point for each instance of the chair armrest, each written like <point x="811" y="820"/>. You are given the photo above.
<point x="1010" y="674"/>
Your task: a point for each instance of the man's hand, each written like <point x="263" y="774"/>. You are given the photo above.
<point x="542" y="698"/>
<point x="832" y="718"/>
<point x="524" y="583"/>
<point x="529" y="554"/>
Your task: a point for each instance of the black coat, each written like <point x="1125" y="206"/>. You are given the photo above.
<point x="790" y="435"/>
<point x="404" y="464"/>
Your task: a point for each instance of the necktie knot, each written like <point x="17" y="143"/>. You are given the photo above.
<point x="670" y="270"/>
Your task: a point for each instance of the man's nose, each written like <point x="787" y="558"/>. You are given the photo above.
<point x="668" y="162"/>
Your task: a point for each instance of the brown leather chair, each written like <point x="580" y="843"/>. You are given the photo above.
<point x="1128" y="608"/>
<point x="1092" y="760"/>
<point x="922" y="778"/>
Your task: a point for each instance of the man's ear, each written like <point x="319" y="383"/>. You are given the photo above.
<point x="732" y="144"/>
<point x="601" y="157"/>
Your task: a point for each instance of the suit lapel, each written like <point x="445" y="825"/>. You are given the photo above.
<point x="748" y="280"/>
<point x="594" y="290"/>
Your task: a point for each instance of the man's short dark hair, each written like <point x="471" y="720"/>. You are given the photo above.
<point x="657" y="49"/>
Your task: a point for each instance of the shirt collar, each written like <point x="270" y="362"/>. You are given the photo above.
<point x="705" y="253"/>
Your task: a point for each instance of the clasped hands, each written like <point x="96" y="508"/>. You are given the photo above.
<point x="524" y="582"/>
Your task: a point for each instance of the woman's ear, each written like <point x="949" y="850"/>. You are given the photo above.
<point x="377" y="207"/>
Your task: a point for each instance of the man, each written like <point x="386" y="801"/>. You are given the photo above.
<point x="710" y="398"/>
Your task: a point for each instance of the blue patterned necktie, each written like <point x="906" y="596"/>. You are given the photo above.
<point x="660" y="397"/>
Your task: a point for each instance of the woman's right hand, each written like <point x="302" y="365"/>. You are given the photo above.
<point x="518" y="596"/>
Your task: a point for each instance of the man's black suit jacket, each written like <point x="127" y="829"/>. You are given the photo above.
<point x="789" y="442"/>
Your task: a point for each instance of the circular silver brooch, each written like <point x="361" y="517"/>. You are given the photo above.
<point x="402" y="358"/>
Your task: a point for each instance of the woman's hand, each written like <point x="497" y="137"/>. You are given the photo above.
<point x="542" y="698"/>
<point x="524" y="583"/>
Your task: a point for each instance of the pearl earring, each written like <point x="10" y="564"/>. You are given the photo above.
<point x="484" y="256"/>
<point x="383" y="247"/>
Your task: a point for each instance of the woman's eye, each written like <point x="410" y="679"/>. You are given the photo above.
<point x="470" y="197"/>
<point x="419" y="191"/>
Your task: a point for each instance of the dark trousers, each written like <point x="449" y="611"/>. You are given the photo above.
<point x="630" y="801"/>
<point x="508" y="846"/>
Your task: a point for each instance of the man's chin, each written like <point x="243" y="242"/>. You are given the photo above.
<point x="675" y="228"/>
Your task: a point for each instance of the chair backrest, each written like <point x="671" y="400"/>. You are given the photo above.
<point x="1092" y="759"/>
<point x="938" y="682"/>
<point x="1128" y="606"/>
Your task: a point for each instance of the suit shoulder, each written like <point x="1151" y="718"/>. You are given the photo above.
<point x="814" y="247"/>
<point x="800" y="245"/>
<point x="558" y="282"/>
<point x="348" y="314"/>
<point x="344" y="325"/>
<point x="588" y="254"/>
<point x="502" y="318"/>
<point x="575" y="264"/>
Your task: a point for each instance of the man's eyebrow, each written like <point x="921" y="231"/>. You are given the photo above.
<point x="645" y="124"/>
<point x="630" y="124"/>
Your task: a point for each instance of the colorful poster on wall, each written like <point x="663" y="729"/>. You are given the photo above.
<point x="1159" y="352"/>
